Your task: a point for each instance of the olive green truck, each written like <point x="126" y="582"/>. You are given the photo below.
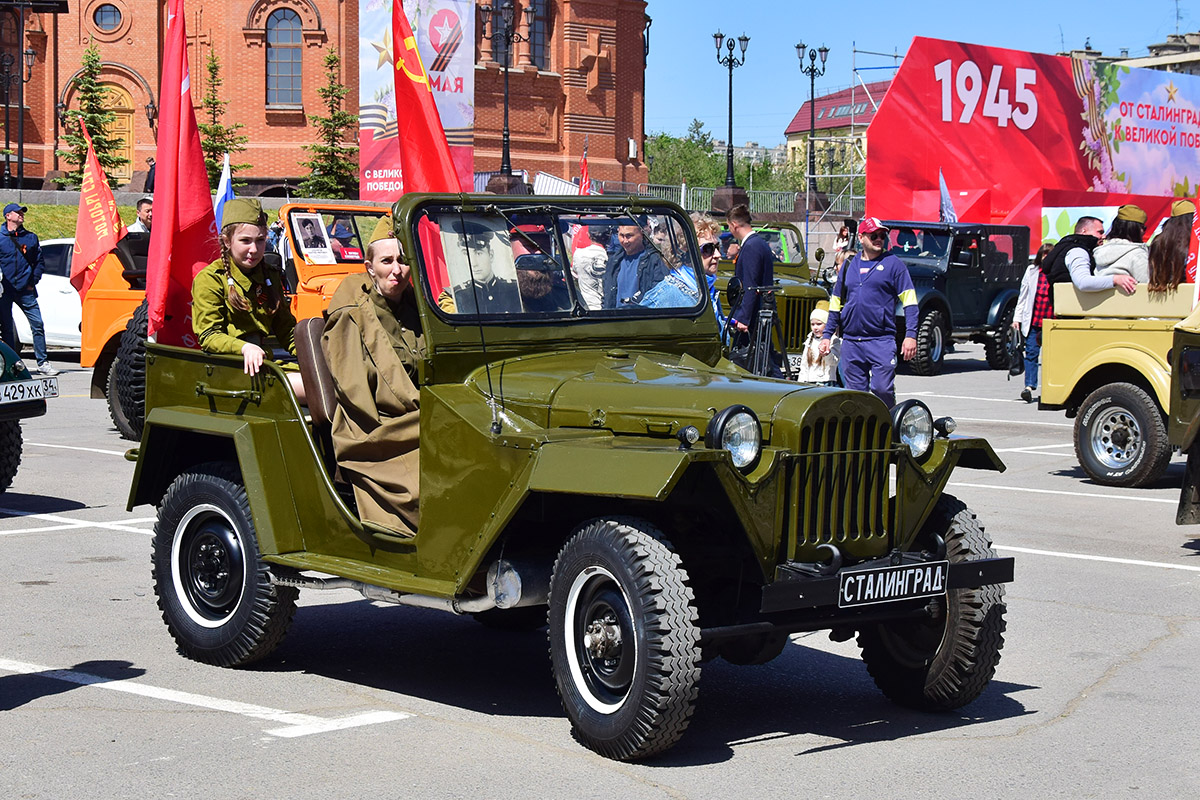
<point x="605" y="473"/>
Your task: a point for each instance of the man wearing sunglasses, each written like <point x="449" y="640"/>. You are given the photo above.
<point x="863" y="304"/>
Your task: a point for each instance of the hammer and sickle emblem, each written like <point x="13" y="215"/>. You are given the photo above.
<point x="410" y="46"/>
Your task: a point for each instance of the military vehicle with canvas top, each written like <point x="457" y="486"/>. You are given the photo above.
<point x="601" y="471"/>
<point x="967" y="278"/>
<point x="1106" y="363"/>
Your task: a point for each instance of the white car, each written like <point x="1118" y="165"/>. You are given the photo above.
<point x="57" y="298"/>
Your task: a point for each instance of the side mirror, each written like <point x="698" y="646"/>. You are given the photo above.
<point x="733" y="292"/>
<point x="819" y="255"/>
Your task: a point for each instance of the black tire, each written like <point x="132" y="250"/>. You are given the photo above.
<point x="995" y="345"/>
<point x="523" y="619"/>
<point x="131" y="373"/>
<point x="1121" y="436"/>
<point x="944" y="661"/>
<point x="213" y="589"/>
<point x="631" y="695"/>
<point x="932" y="337"/>
<point x="115" y="411"/>
<point x="10" y="452"/>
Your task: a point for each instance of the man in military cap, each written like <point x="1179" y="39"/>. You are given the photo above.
<point x="21" y="264"/>
<point x="484" y="292"/>
<point x="373" y="345"/>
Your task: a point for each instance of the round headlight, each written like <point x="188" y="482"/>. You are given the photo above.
<point x="736" y="429"/>
<point x="914" y="426"/>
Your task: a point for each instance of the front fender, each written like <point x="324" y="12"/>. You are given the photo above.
<point x="1148" y="363"/>
<point x="920" y="484"/>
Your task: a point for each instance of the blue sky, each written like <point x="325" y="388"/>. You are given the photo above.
<point x="684" y="81"/>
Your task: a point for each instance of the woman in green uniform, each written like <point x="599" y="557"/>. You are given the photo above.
<point x="238" y="304"/>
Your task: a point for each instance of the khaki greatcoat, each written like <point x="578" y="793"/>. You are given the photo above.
<point x="373" y="349"/>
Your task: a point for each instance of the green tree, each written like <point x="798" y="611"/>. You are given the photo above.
<point x="97" y="119"/>
<point x="689" y="160"/>
<point x="333" y="169"/>
<point x="217" y="138"/>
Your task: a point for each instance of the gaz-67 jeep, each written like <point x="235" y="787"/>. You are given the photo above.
<point x="967" y="278"/>
<point x="605" y="472"/>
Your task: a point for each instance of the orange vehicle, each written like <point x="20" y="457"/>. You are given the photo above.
<point x="316" y="246"/>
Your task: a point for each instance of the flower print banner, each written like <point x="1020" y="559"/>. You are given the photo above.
<point x="445" y="34"/>
<point x="1006" y="123"/>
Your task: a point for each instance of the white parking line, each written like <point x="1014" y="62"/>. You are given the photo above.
<point x="1068" y="494"/>
<point x="66" y="523"/>
<point x="1015" y="422"/>
<point x="1037" y="450"/>
<point x="961" y="397"/>
<point x="84" y="449"/>
<point x="294" y="724"/>
<point x="1084" y="557"/>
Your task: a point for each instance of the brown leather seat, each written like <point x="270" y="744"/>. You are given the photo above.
<point x="318" y="382"/>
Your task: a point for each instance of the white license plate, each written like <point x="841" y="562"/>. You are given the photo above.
<point x="795" y="361"/>
<point x="36" y="389"/>
<point x="866" y="587"/>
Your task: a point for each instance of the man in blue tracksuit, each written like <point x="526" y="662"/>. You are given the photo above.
<point x="863" y="303"/>
<point x="21" y="265"/>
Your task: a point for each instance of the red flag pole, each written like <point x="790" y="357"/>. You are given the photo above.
<point x="184" y="237"/>
<point x="98" y="227"/>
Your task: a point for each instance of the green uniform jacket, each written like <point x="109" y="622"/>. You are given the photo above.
<point x="222" y="328"/>
<point x="373" y="349"/>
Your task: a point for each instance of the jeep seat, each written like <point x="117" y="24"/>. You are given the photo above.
<point x="318" y="381"/>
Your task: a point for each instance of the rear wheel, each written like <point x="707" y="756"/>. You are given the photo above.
<point x="946" y="660"/>
<point x="131" y="373"/>
<point x="932" y="337"/>
<point x="623" y="639"/>
<point x="10" y="452"/>
<point x="995" y="345"/>
<point x="214" y="590"/>
<point x="115" y="410"/>
<point x="1121" y="436"/>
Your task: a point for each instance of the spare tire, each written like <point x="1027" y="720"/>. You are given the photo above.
<point x="131" y="374"/>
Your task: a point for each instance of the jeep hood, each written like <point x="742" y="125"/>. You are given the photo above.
<point x="631" y="393"/>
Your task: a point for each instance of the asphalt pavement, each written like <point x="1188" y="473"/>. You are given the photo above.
<point x="1091" y="698"/>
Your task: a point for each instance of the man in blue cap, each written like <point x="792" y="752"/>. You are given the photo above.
<point x="21" y="265"/>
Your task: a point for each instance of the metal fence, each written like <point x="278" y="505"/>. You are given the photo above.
<point x="700" y="197"/>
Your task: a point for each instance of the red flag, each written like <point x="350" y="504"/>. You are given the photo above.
<point x="98" y="227"/>
<point x="424" y="153"/>
<point x="585" y="182"/>
<point x="1193" y="246"/>
<point x="184" y="237"/>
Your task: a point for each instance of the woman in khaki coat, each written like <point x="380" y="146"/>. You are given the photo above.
<point x="373" y="343"/>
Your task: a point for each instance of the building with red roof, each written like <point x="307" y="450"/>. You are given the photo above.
<point x="844" y="114"/>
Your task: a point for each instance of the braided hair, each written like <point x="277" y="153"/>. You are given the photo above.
<point x="233" y="295"/>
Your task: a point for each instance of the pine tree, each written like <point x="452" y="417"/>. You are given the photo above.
<point x="216" y="138"/>
<point x="333" y="170"/>
<point x="97" y="119"/>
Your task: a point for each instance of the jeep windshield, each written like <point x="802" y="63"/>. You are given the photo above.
<point x="521" y="264"/>
<point x="918" y="246"/>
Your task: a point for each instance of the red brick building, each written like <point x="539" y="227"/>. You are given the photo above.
<point x="581" y="73"/>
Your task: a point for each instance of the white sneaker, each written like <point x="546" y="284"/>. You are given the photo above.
<point x="45" y="368"/>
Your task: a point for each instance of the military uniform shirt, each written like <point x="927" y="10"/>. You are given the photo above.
<point x="222" y="328"/>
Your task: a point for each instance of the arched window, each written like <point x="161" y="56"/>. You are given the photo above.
<point x="283" y="58"/>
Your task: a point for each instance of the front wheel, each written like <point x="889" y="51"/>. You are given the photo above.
<point x="624" y="643"/>
<point x="932" y="336"/>
<point x="131" y="374"/>
<point x="1121" y="437"/>
<point x="946" y="660"/>
<point x="995" y="343"/>
<point x="214" y="590"/>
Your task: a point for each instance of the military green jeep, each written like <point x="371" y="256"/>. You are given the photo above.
<point x="605" y="472"/>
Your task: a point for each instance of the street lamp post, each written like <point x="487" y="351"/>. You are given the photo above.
<point x="813" y="72"/>
<point x="501" y="18"/>
<point x="730" y="61"/>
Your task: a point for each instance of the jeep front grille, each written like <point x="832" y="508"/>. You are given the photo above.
<point x="839" y="481"/>
<point x="793" y="316"/>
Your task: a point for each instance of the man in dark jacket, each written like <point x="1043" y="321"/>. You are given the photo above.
<point x="755" y="266"/>
<point x="632" y="271"/>
<point x="22" y="266"/>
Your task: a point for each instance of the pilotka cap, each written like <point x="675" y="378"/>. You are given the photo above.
<point x="1131" y="213"/>
<point x="243" y="210"/>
